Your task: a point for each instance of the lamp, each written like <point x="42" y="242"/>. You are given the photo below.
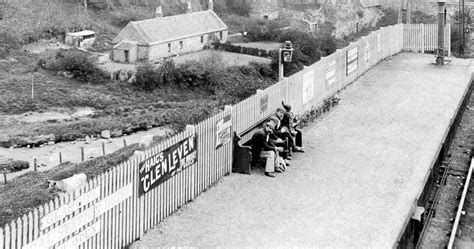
<point x="285" y="55"/>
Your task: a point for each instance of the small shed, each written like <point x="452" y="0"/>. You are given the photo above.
<point x="83" y="38"/>
<point x="126" y="52"/>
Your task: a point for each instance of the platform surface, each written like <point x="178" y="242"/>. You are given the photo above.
<point x="364" y="166"/>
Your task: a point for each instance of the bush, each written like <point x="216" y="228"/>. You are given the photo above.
<point x="306" y="51"/>
<point x="262" y="30"/>
<point x="328" y="45"/>
<point x="80" y="66"/>
<point x="241" y="8"/>
<point x="147" y="78"/>
<point x="237" y="83"/>
<point x="239" y="49"/>
<point x="13" y="166"/>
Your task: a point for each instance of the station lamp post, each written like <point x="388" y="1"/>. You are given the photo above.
<point x="441" y="20"/>
<point x="284" y="55"/>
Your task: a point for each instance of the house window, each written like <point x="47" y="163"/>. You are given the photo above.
<point x="180" y="44"/>
<point x="169" y="47"/>
<point x="220" y="35"/>
<point x="202" y="39"/>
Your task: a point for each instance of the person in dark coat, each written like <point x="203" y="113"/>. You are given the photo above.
<point x="262" y="147"/>
<point x="289" y="120"/>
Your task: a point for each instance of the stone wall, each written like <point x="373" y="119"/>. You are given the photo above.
<point x="267" y="9"/>
<point x="346" y="19"/>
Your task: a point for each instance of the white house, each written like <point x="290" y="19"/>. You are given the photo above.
<point x="163" y="37"/>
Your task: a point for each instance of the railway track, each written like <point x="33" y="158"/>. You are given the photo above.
<point x="463" y="223"/>
<point x="449" y="216"/>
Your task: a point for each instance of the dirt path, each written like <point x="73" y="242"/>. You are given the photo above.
<point x="48" y="156"/>
<point x="364" y="166"/>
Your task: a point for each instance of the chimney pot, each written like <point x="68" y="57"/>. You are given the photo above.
<point x="190" y="9"/>
<point x="211" y="5"/>
<point x="159" y="12"/>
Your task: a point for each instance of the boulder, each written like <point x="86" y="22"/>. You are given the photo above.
<point x="88" y="140"/>
<point x="116" y="133"/>
<point x="105" y="134"/>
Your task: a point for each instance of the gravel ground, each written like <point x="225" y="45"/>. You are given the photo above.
<point x="364" y="166"/>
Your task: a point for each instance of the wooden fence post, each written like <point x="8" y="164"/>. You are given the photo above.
<point x="103" y="148"/>
<point x="35" y="163"/>
<point x="60" y="158"/>
<point x="82" y="154"/>
<point x="4" y="176"/>
<point x="124" y="143"/>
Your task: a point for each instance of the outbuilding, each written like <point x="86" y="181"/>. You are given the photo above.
<point x="83" y="38"/>
<point x="163" y="37"/>
<point x="125" y="52"/>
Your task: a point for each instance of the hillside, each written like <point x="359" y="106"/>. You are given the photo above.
<point x="27" y="21"/>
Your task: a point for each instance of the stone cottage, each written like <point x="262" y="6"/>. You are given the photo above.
<point x="163" y="37"/>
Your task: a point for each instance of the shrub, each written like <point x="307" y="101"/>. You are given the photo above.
<point x="262" y="30"/>
<point x="328" y="45"/>
<point x="306" y="51"/>
<point x="304" y="42"/>
<point x="147" y="78"/>
<point x="237" y="83"/>
<point x="13" y="166"/>
<point x="241" y="8"/>
<point x="239" y="49"/>
<point x="80" y="66"/>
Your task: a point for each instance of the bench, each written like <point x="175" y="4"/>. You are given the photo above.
<point x="243" y="158"/>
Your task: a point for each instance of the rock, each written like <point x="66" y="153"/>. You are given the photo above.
<point x="123" y="75"/>
<point x="13" y="166"/>
<point x="105" y="134"/>
<point x="88" y="140"/>
<point x="132" y="79"/>
<point x="51" y="142"/>
<point x="116" y="133"/>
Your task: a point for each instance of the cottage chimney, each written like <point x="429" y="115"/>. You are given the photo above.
<point x="211" y="5"/>
<point x="190" y="9"/>
<point x="159" y="12"/>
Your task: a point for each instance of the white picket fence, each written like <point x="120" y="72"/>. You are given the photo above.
<point x="421" y="38"/>
<point x="111" y="213"/>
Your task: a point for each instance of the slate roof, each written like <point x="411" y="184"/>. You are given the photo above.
<point x="370" y="3"/>
<point x="171" y="28"/>
<point x="81" y="33"/>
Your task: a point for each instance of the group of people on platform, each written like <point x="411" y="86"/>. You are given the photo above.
<point x="276" y="141"/>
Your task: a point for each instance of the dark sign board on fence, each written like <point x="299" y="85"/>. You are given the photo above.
<point x="352" y="60"/>
<point x="162" y="166"/>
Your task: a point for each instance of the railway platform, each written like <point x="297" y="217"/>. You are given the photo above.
<point x="365" y="164"/>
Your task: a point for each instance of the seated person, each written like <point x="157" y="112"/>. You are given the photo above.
<point x="262" y="147"/>
<point x="289" y="120"/>
<point x="283" y="130"/>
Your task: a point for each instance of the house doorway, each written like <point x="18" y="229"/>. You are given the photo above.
<point x="126" y="53"/>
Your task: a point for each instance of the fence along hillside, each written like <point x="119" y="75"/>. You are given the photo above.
<point x="120" y="205"/>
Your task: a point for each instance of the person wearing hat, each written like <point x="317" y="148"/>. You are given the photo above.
<point x="262" y="146"/>
<point x="289" y="121"/>
<point x="281" y="134"/>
